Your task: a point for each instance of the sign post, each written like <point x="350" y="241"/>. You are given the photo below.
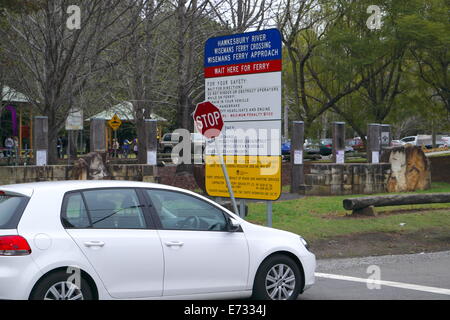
<point x="115" y="124"/>
<point x="243" y="79"/>
<point x="208" y="121"/>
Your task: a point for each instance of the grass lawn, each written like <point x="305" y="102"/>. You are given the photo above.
<point x="324" y="217"/>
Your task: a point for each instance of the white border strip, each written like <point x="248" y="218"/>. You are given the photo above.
<point x="386" y="283"/>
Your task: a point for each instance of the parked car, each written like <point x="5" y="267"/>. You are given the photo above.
<point x="396" y="143"/>
<point x="446" y="141"/>
<point x="167" y="143"/>
<point x="312" y="146"/>
<point x="356" y="144"/>
<point x="326" y="147"/>
<point x="169" y="140"/>
<point x="286" y="147"/>
<point x="79" y="240"/>
<point x="409" y="140"/>
<point x="423" y="141"/>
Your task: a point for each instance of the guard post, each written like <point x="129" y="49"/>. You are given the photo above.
<point x="338" y="130"/>
<point x="373" y="142"/>
<point x="297" y="141"/>
<point x="151" y="144"/>
<point x="40" y="140"/>
<point x="98" y="135"/>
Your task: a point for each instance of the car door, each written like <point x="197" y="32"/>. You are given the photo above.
<point x="200" y="255"/>
<point x="111" y="228"/>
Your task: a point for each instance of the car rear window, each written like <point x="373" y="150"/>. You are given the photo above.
<point x="11" y="209"/>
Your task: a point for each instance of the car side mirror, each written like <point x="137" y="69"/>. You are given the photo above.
<point x="233" y="225"/>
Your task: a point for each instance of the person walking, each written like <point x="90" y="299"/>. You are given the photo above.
<point x="115" y="147"/>
<point x="135" y="146"/>
<point x="126" y="148"/>
<point x="16" y="147"/>
<point x="59" y="147"/>
<point x="9" y="145"/>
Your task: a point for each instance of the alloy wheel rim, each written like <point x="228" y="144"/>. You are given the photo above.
<point x="280" y="282"/>
<point x="64" y="290"/>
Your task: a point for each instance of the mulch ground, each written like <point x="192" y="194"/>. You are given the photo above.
<point x="384" y="243"/>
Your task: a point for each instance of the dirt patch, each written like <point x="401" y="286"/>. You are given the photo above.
<point x="377" y="244"/>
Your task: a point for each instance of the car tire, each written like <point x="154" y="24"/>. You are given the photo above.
<point x="268" y="286"/>
<point x="59" y="282"/>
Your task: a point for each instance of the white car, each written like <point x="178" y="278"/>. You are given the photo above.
<point x="74" y="240"/>
<point x="409" y="140"/>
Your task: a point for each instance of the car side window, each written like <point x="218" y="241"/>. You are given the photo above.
<point x="114" y="209"/>
<point x="179" y="211"/>
<point x="74" y="214"/>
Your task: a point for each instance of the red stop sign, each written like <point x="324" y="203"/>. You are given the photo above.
<point x="208" y="120"/>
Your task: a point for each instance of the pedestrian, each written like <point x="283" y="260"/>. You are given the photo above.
<point x="135" y="147"/>
<point x="59" y="147"/>
<point x="16" y="146"/>
<point x="115" y="147"/>
<point x="126" y="148"/>
<point x="9" y="145"/>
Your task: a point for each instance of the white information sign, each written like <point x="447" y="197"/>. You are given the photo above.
<point x="252" y="97"/>
<point x="151" y="158"/>
<point x="74" y="120"/>
<point x="375" y="157"/>
<point x="41" y="157"/>
<point x="298" y="157"/>
<point x="340" y="156"/>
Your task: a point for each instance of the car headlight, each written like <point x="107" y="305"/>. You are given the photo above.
<point x="304" y="242"/>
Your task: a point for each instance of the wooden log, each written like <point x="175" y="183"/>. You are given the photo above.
<point x="395" y="200"/>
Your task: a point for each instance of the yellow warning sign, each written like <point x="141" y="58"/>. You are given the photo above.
<point x="252" y="177"/>
<point x="115" y="122"/>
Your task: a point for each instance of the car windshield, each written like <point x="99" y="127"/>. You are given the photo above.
<point x="10" y="209"/>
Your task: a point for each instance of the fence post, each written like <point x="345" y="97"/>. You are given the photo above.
<point x="98" y="135"/>
<point x="297" y="140"/>
<point x="338" y="142"/>
<point x="373" y="142"/>
<point x="40" y="140"/>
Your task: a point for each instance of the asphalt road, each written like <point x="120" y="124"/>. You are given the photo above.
<point x="405" y="277"/>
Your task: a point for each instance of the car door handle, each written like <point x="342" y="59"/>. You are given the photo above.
<point x="94" y="244"/>
<point x="174" y="244"/>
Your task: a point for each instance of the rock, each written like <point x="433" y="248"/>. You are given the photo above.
<point x="91" y="167"/>
<point x="410" y="169"/>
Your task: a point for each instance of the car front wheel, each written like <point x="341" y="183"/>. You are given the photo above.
<point x="278" y="278"/>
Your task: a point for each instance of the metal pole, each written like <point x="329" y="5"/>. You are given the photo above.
<point x="242" y="208"/>
<point x="115" y="142"/>
<point x="269" y="214"/>
<point x="227" y="178"/>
